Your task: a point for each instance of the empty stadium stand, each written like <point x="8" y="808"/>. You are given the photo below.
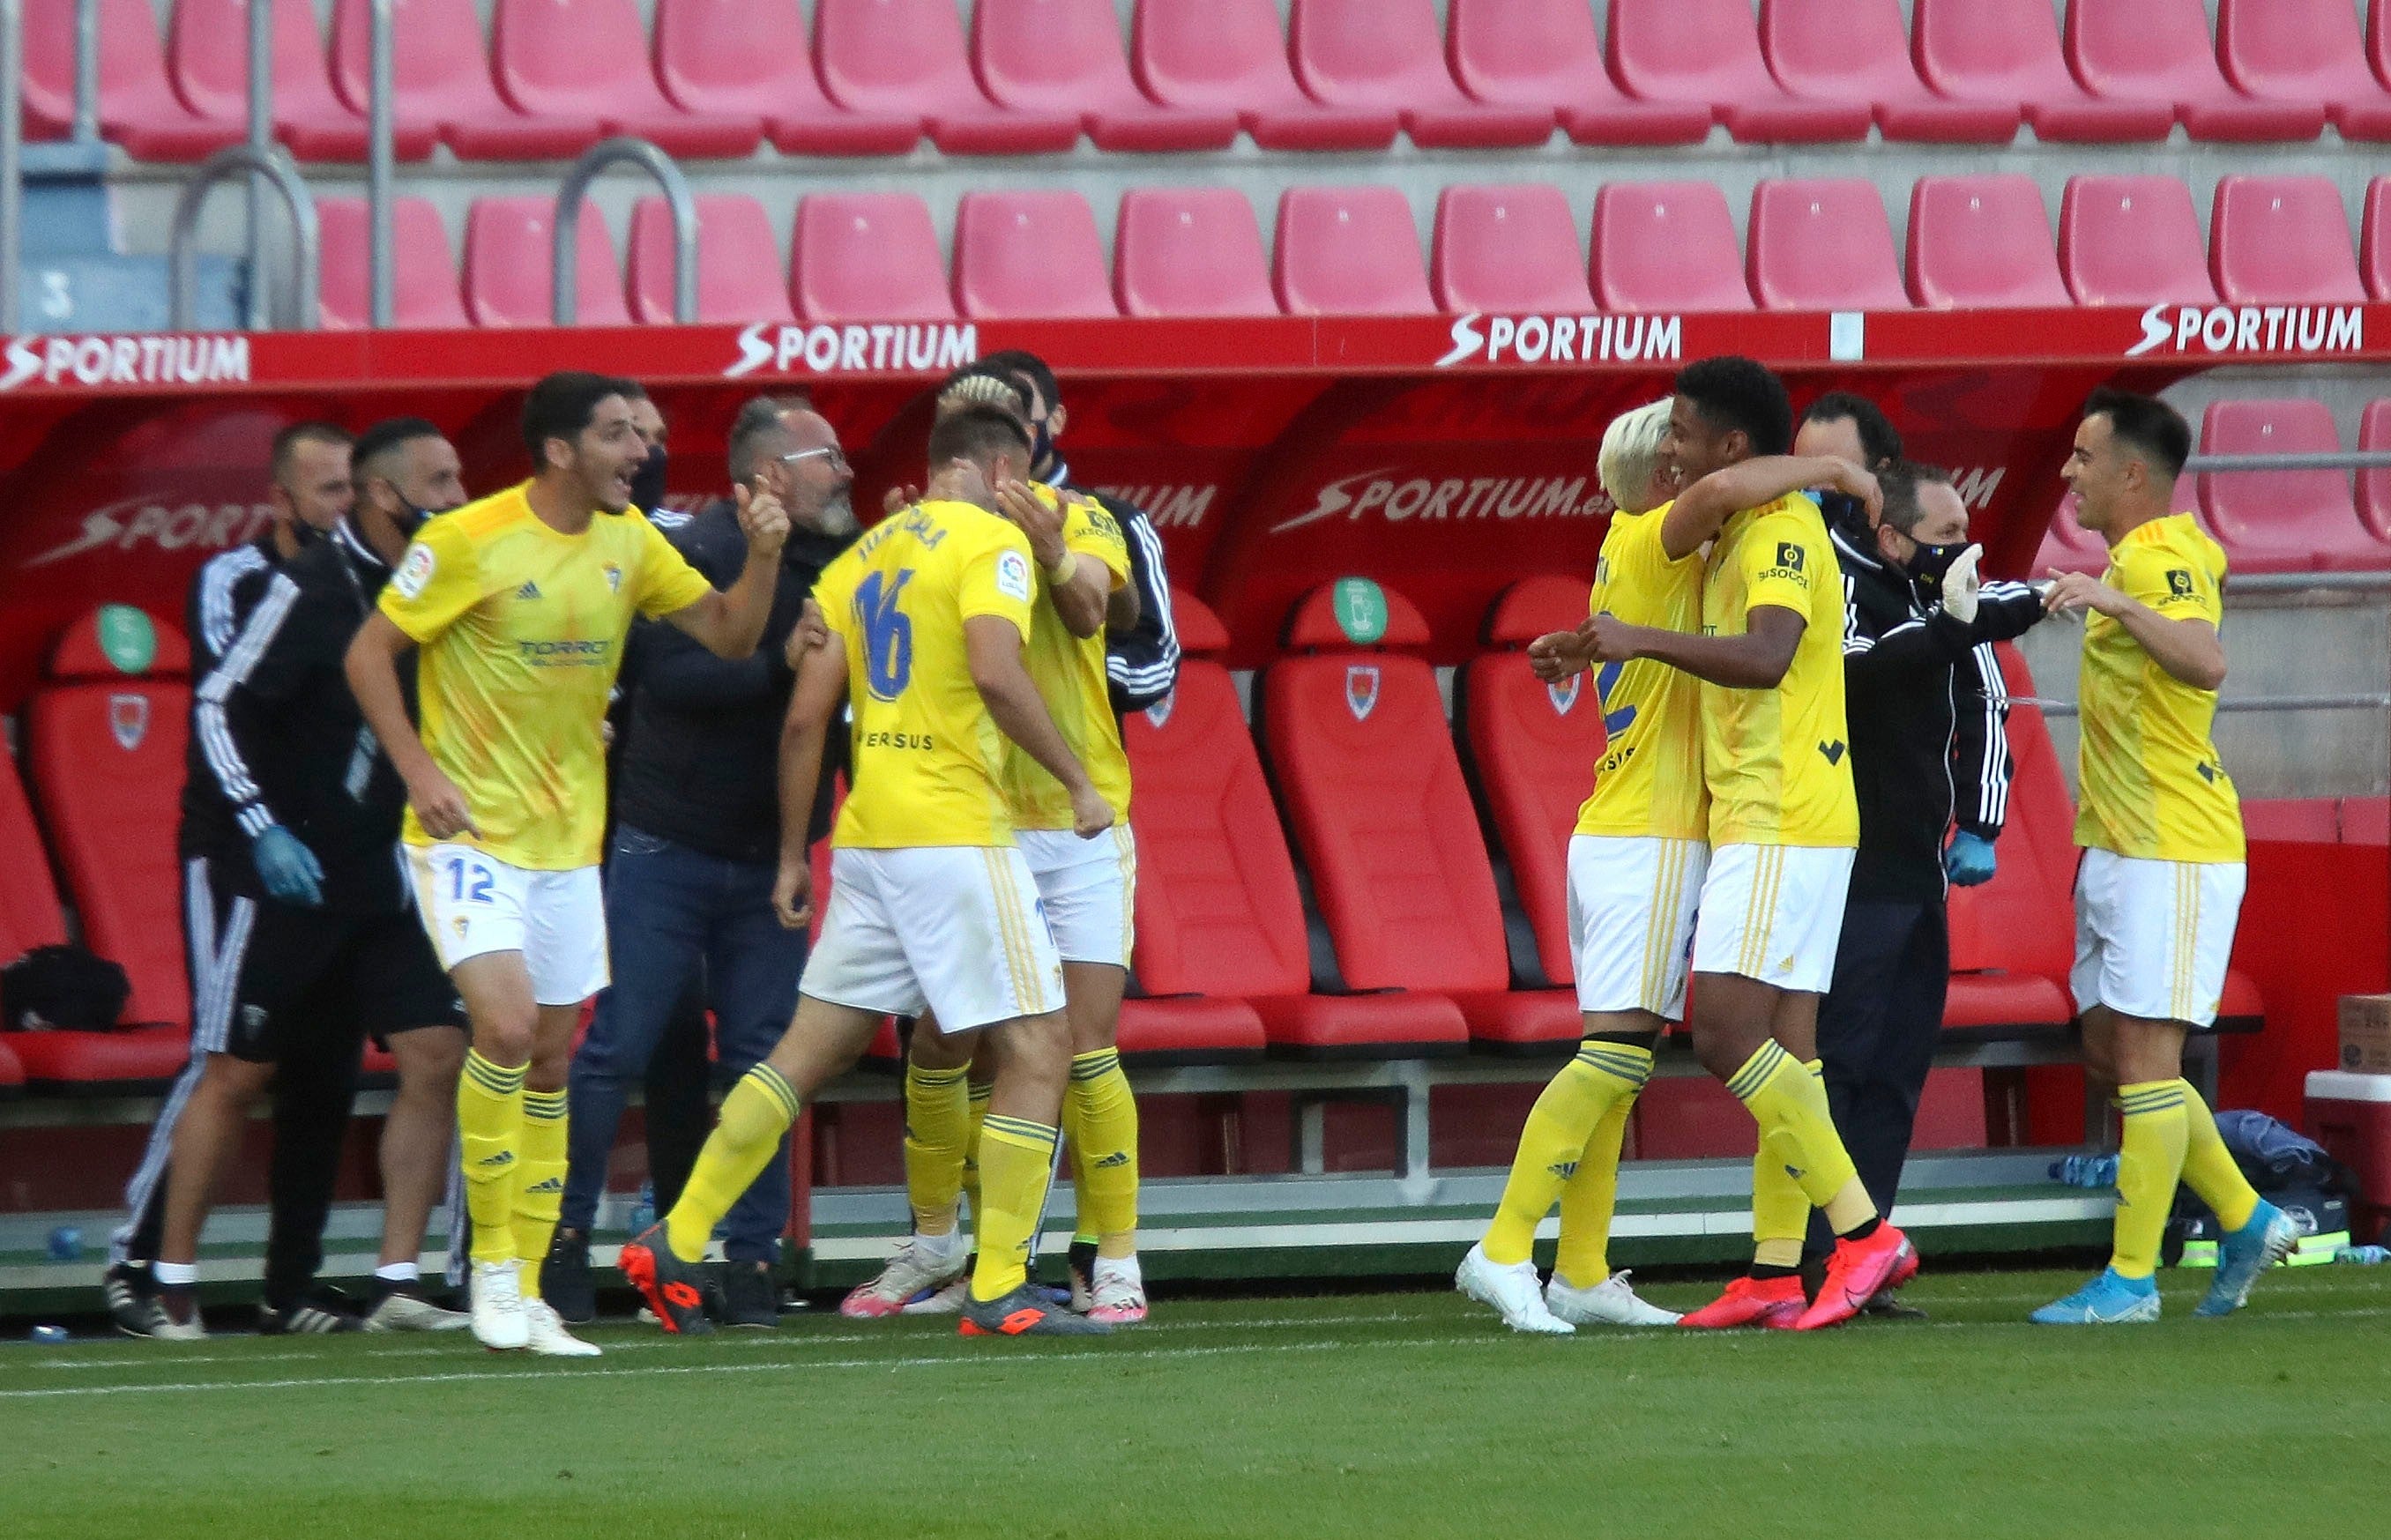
<point x="1846" y="51"/>
<point x="738" y="262"/>
<point x="207" y="58"/>
<point x="1348" y="252"/>
<point x="867" y="256"/>
<point x="1662" y="246"/>
<point x="138" y="106"/>
<point x="444" y="83"/>
<point x="751" y="57"/>
<point x="906" y="59"/>
<point x="1029" y="253"/>
<point x="1389" y="56"/>
<point x="2281" y="240"/>
<point x="509" y="271"/>
<point x="2374" y="486"/>
<point x="1980" y="242"/>
<point x="1229" y="55"/>
<point x="1507" y="248"/>
<point x="1544" y="54"/>
<point x="589" y="58"/>
<point x="2282" y="521"/>
<point x="2132" y="241"/>
<point x="1822" y="245"/>
<point x="2145" y="50"/>
<point x="2304" y="51"/>
<point x="1189" y="251"/>
<point x="424" y="270"/>
<point x="2008" y="51"/>
<point x="1034" y="53"/>
<point x="1704" y="52"/>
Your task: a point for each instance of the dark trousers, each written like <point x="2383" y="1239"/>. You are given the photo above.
<point x="679" y="1099"/>
<point x="674" y="917"/>
<point x="1878" y="1029"/>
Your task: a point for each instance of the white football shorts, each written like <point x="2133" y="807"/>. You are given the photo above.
<point x="954" y="930"/>
<point x="1090" y="889"/>
<point x="472" y="903"/>
<point x="2153" y="937"/>
<point x="1631" y="913"/>
<point x="1774" y="913"/>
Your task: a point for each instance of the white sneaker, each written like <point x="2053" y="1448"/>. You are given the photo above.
<point x="499" y="1321"/>
<point x="413" y="1312"/>
<point x="1513" y="1291"/>
<point x="940" y="1301"/>
<point x="1118" y="1297"/>
<point x="165" y="1328"/>
<point x="1609" y="1303"/>
<point x="921" y="1262"/>
<point x="544" y="1329"/>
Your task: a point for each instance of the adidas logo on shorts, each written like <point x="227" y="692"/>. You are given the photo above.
<point x="529" y="591"/>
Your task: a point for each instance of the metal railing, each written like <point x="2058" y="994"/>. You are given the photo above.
<point x="183" y="257"/>
<point x="381" y="104"/>
<point x="12" y="169"/>
<point x="2318" y="459"/>
<point x="566" y="267"/>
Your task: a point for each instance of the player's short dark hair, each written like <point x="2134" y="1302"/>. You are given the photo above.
<point x="759" y="419"/>
<point x="287" y="442"/>
<point x="562" y="405"/>
<point x="386" y="435"/>
<point x="978" y="433"/>
<point x="1900" y="482"/>
<point x="1734" y="392"/>
<point x="1879" y="440"/>
<point x="2145" y="424"/>
<point x="1031" y="367"/>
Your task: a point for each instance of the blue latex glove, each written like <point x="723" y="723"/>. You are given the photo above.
<point x="1970" y="860"/>
<point x="288" y="868"/>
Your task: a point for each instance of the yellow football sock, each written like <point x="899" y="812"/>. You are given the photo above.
<point x="539" y="1182"/>
<point x="1790" y="1106"/>
<point x="758" y="1110"/>
<point x="976" y="1111"/>
<point x="2150" y="1159"/>
<point x="1016" y="1161"/>
<point x="1552" y="1142"/>
<point x="1101" y="1115"/>
<point x="937" y="1129"/>
<point x="489" y="1126"/>
<point x="2209" y="1167"/>
<point x="1581" y="1259"/>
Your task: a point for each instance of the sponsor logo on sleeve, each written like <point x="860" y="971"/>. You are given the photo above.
<point x="1788" y="555"/>
<point x="2178" y="583"/>
<point x="1013" y="575"/>
<point x="414" y="571"/>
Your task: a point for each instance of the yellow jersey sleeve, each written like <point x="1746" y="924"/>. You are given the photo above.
<point x="996" y="576"/>
<point x="1779" y="564"/>
<point x="1649" y="782"/>
<point x="1089" y="531"/>
<point x="436" y="581"/>
<point x="835" y="592"/>
<point x="666" y="581"/>
<point x="2178" y="582"/>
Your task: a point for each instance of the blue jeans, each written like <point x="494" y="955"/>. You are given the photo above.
<point x="675" y="916"/>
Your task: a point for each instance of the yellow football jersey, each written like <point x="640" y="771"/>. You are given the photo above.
<point x="2151" y="785"/>
<point x="1779" y="761"/>
<point x="927" y="752"/>
<point x="522" y="629"/>
<point x="1069" y="672"/>
<point x="1649" y="779"/>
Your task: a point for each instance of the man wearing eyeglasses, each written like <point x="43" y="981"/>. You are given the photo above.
<point x="697" y="843"/>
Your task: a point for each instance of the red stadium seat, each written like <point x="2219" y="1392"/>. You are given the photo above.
<point x="2316" y="819"/>
<point x="424" y="270"/>
<point x="128" y="1062"/>
<point x="901" y="58"/>
<point x="2374" y="486"/>
<point x="12" y="1071"/>
<point x="1508" y="248"/>
<point x="2304" y="51"/>
<point x="1034" y="53"/>
<point x="2366" y="820"/>
<point x="30" y="915"/>
<point x="2374" y="239"/>
<point x="1190" y="252"/>
<point x="1388" y="56"/>
<point x="105" y="748"/>
<point x="588" y="59"/>
<point x="1030" y="254"/>
<point x="444" y="80"/>
<point x="207" y="56"/>
<point x="2161" y="50"/>
<point x="137" y="108"/>
<point x="1708" y="52"/>
<point x="2281" y="240"/>
<point x="1229" y="55"/>
<point x="2008" y="50"/>
<point x="1544" y="54"/>
<point x="738" y="262"/>
<point x="2282" y="521"/>
<point x="1665" y="247"/>
<point x="1822" y="245"/>
<point x="1981" y="242"/>
<point x="1858" y="50"/>
<point x="510" y="244"/>
<point x="867" y="256"/>
<point x="1348" y="252"/>
<point x="2014" y="939"/>
<point x="2068" y="546"/>
<point x="749" y="57"/>
<point x="2132" y="241"/>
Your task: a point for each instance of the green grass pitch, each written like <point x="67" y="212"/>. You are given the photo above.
<point x="1364" y="1415"/>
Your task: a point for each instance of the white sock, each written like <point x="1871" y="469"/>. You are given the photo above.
<point x="1123" y="1268"/>
<point x="176" y="1275"/>
<point x="941" y="1246"/>
<point x="399" y="1273"/>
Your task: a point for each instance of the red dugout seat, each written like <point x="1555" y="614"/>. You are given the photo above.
<point x="1508" y="248"/>
<point x="1348" y="252"/>
<point x="1858" y="50"/>
<point x="1029" y="254"/>
<point x="424" y="270"/>
<point x="29" y="915"/>
<point x="1981" y="242"/>
<point x="738" y="261"/>
<point x="2132" y="241"/>
<point x="444" y="80"/>
<point x="1666" y="246"/>
<point x="900" y="58"/>
<point x="509" y="255"/>
<point x="2014" y="939"/>
<point x="1707" y="52"/>
<point x="1190" y="252"/>
<point x="2316" y="819"/>
<point x="2366" y="820"/>
<point x="137" y="108"/>
<point x="588" y="59"/>
<point x="2008" y="50"/>
<point x="1822" y="245"/>
<point x="1544" y="54"/>
<point x="2304" y="51"/>
<point x="749" y="58"/>
<point x="2374" y="239"/>
<point x="207" y="56"/>
<point x="858" y="257"/>
<point x="1037" y="54"/>
<point x="2161" y="50"/>
<point x="2281" y="240"/>
<point x="1388" y="56"/>
<point x="1230" y="55"/>
<point x="12" y="1071"/>
<point x="2374" y="486"/>
<point x="2282" y="521"/>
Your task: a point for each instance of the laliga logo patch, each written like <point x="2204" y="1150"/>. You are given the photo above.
<point x="1159" y="715"/>
<point x="414" y="571"/>
<point x="128" y="721"/>
<point x="1362" y="689"/>
<point x="1564" y="692"/>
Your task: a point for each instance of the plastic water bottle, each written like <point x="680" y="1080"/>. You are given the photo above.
<point x="50" y="1337"/>
<point x="644" y="1212"/>
<point x="2363" y="1256"/>
<point x="66" y="1243"/>
<point x="2085" y="1171"/>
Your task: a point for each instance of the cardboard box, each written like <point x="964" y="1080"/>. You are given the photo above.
<point x="2366" y="1033"/>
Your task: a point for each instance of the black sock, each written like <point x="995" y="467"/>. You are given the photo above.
<point x="1767" y="1273"/>
<point x="1863" y="1232"/>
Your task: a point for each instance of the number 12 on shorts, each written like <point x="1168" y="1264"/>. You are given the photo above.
<point x="469" y="881"/>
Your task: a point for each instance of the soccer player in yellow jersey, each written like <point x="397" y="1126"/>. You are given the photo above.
<point x="932" y="909"/>
<point x="519" y="604"/>
<point x="1783" y="827"/>
<point x="2160" y="888"/>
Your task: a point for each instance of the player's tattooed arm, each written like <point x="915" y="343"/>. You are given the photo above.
<point x="1755" y="660"/>
<point x="821" y="684"/>
<point x="1704" y="508"/>
<point x="994" y="645"/>
<point x="2188" y="648"/>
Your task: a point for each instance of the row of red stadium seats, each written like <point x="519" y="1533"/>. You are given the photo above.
<point x="1033" y="75"/>
<point x="1656" y="246"/>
